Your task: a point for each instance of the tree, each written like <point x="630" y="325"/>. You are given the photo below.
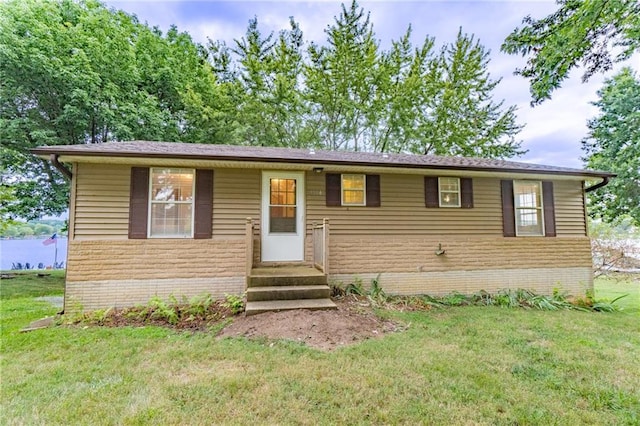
<point x="465" y="120"/>
<point x="341" y="82"/>
<point x="75" y="72"/>
<point x="613" y="144"/>
<point x="579" y="31"/>
<point x="406" y="99"/>
<point x="262" y="74"/>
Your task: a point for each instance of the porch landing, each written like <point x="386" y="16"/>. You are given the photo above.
<point x="284" y="287"/>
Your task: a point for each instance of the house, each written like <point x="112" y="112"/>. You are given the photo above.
<point x="156" y="218"/>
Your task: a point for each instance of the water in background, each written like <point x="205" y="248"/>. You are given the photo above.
<point x="31" y="251"/>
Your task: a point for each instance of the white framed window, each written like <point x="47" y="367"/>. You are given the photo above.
<point x="449" y="191"/>
<point x="354" y="190"/>
<point x="171" y="195"/>
<point x="527" y="196"/>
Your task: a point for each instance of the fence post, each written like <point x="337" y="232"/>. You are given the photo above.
<point x="325" y="249"/>
<point x="248" y="248"/>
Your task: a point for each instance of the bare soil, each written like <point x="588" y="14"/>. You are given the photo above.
<point x="352" y="322"/>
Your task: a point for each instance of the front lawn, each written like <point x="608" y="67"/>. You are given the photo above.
<point x="31" y="283"/>
<point x="471" y="365"/>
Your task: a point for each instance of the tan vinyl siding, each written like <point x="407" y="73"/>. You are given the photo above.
<point x="569" y="204"/>
<point x="403" y="210"/>
<point x="236" y="196"/>
<point x="102" y="206"/>
<point x="102" y="202"/>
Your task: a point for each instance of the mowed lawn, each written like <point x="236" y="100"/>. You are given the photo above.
<point x="470" y="365"/>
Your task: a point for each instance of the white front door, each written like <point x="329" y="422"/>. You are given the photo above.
<point x="282" y="225"/>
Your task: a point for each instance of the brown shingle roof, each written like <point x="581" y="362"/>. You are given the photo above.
<point x="290" y="155"/>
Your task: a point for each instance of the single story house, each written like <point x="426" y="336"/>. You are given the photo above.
<point x="159" y="219"/>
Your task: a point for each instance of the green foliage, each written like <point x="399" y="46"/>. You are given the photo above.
<point x="234" y="302"/>
<point x="75" y="72"/>
<point x="356" y="287"/>
<point x="613" y="144"/>
<point x="350" y="94"/>
<point x="508" y="298"/>
<point x="579" y="31"/>
<point x="605" y="306"/>
<point x="41" y="227"/>
<point x="161" y="310"/>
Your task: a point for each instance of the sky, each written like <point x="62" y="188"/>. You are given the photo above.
<point x="553" y="131"/>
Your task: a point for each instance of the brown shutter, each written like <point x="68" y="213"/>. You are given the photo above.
<point x="333" y="189"/>
<point x="203" y="209"/>
<point x="549" y="209"/>
<point x="431" y="191"/>
<point x="373" y="190"/>
<point x="466" y="193"/>
<point x="139" y="202"/>
<point x="508" y="213"/>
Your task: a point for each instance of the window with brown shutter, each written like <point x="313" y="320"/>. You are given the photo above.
<point x="373" y="190"/>
<point x="466" y="193"/>
<point x="138" y="202"/>
<point x="352" y="190"/>
<point x="508" y="214"/>
<point x="431" y="191"/>
<point x="528" y="208"/>
<point x="333" y="189"/>
<point x="203" y="212"/>
<point x="549" y="209"/>
<point x="448" y="192"/>
<point x="179" y="203"/>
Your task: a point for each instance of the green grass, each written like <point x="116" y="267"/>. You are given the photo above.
<point x="609" y="288"/>
<point x="471" y="365"/>
<point x="29" y="284"/>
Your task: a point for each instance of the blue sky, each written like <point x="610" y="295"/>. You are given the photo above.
<point x="553" y="130"/>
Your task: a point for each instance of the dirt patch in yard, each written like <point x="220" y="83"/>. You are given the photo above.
<point x="352" y="322"/>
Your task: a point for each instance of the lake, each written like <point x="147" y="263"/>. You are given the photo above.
<point x="31" y="251"/>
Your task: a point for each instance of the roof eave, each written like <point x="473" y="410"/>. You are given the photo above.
<point x="45" y="152"/>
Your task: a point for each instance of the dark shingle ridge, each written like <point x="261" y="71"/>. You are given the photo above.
<point x="296" y="155"/>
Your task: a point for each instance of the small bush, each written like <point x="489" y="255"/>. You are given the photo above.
<point x="234" y="303"/>
<point x="200" y="312"/>
<point x="355" y="287"/>
<point x="508" y="298"/>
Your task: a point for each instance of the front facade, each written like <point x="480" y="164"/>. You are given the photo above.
<point x="157" y="219"/>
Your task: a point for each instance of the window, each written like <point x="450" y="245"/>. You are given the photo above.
<point x="528" y="208"/>
<point x="353" y="190"/>
<point x="449" y="192"/>
<point x="282" y="205"/>
<point x="171" y="195"/>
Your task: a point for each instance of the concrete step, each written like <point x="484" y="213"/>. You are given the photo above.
<point x="259" y="280"/>
<point x="255" y="294"/>
<point x="254" y="308"/>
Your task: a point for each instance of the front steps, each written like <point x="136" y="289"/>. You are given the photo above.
<point x="280" y="288"/>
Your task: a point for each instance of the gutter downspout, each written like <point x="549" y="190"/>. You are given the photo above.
<point x="58" y="165"/>
<point x="605" y="180"/>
